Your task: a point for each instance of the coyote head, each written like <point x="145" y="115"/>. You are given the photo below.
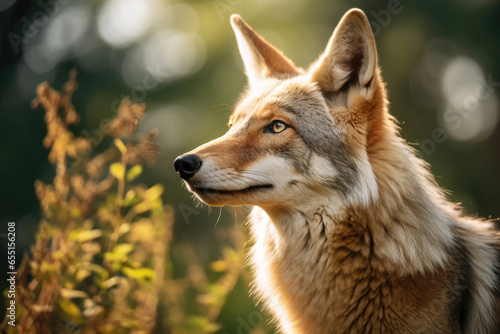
<point x="298" y="134"/>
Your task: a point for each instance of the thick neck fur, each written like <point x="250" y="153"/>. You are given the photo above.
<point x="323" y="266"/>
<point x="323" y="276"/>
<point x="339" y="266"/>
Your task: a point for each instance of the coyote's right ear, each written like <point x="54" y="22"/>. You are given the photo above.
<point x="261" y="59"/>
<point x="350" y="57"/>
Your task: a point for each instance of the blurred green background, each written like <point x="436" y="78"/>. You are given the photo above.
<point x="439" y="59"/>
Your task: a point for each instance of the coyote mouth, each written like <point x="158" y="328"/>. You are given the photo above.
<point x="212" y="191"/>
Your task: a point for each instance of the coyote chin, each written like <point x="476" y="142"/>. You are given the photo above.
<point x="351" y="232"/>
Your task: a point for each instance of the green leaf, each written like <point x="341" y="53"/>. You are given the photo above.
<point x="134" y="172"/>
<point x="119" y="253"/>
<point x="140" y="274"/>
<point x="131" y="198"/>
<point x="98" y="270"/>
<point x="217" y="290"/>
<point x="117" y="170"/>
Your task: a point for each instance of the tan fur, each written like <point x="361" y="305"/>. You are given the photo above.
<point x="351" y="232"/>
<point x="342" y="286"/>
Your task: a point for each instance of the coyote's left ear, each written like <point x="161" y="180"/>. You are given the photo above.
<point x="261" y="59"/>
<point x="350" y="57"/>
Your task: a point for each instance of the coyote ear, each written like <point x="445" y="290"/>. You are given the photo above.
<point x="261" y="59"/>
<point x="350" y="57"/>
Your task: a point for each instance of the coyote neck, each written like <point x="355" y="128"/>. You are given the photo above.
<point x="331" y="266"/>
<point x="319" y="270"/>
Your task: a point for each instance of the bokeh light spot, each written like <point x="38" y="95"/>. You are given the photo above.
<point x="167" y="55"/>
<point x="471" y="106"/>
<point x="121" y="22"/>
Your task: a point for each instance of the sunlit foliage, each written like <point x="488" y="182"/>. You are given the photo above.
<point x="101" y="260"/>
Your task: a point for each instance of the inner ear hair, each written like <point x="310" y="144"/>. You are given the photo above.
<point x="350" y="57"/>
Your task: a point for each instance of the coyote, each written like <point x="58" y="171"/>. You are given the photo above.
<point x="351" y="232"/>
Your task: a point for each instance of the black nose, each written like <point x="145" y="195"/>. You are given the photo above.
<point x="187" y="165"/>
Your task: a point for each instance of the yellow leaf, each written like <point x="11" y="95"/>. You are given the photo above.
<point x="71" y="310"/>
<point x="75" y="212"/>
<point x="134" y="172"/>
<point x="120" y="145"/>
<point x="84" y="236"/>
<point x="119" y="253"/>
<point x="141" y="274"/>
<point x="143" y="231"/>
<point x="81" y="274"/>
<point x="153" y="193"/>
<point x="142" y="207"/>
<point x="98" y="270"/>
<point x="230" y="254"/>
<point x="117" y="170"/>
<point x="59" y="254"/>
<point x="124" y="228"/>
<point x="47" y="269"/>
<point x="219" y="266"/>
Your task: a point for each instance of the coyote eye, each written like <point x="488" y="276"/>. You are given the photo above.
<point x="275" y="127"/>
